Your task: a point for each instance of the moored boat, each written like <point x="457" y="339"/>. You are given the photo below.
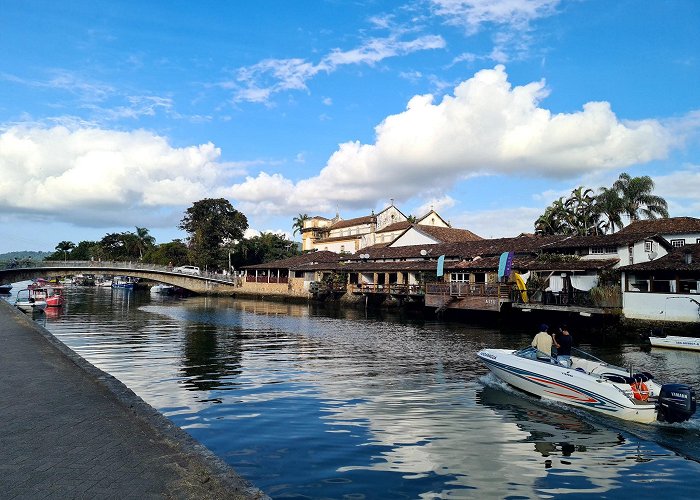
<point x="675" y="342"/>
<point x="51" y="294"/>
<point x="163" y="289"/>
<point x="587" y="382"/>
<point x="25" y="302"/>
<point x="124" y="282"/>
<point x="5" y="289"/>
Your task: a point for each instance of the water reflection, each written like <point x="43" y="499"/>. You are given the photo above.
<point x="316" y="402"/>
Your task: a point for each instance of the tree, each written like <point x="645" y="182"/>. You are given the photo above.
<point x="637" y="200"/>
<point x="210" y="223"/>
<point x="65" y="247"/>
<point x="582" y="215"/>
<point x="260" y="249"/>
<point x="554" y="220"/>
<point x="166" y="253"/>
<point x="298" y="225"/>
<point x="609" y="206"/>
<point x="144" y="240"/>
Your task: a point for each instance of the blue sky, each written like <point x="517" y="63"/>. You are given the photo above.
<point x="122" y="114"/>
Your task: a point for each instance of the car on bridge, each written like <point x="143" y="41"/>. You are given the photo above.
<point x="187" y="270"/>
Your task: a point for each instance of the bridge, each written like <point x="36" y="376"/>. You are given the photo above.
<point x="205" y="283"/>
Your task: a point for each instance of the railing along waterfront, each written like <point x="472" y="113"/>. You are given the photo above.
<point x="393" y="289"/>
<point x="464" y="289"/>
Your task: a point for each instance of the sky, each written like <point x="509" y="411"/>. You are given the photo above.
<point x="117" y="115"/>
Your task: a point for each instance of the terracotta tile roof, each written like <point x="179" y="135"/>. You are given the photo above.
<point x="672" y="225"/>
<point x="447" y="234"/>
<point x="396" y="226"/>
<point x="297" y="260"/>
<point x="673" y="261"/>
<point x="532" y="264"/>
<point x="357" y="221"/>
<point x="604" y="240"/>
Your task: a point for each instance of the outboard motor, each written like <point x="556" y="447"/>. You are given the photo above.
<point x="676" y="403"/>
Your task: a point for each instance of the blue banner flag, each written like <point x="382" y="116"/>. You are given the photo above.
<point x="441" y="265"/>
<point x="505" y="264"/>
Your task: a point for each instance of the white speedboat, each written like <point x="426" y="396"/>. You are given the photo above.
<point x="27" y="303"/>
<point x="675" y="342"/>
<point x="163" y="289"/>
<point x="592" y="384"/>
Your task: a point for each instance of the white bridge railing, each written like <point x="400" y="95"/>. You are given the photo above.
<point x="109" y="265"/>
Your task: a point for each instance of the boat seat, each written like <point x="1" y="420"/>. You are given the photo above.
<point x="617" y="378"/>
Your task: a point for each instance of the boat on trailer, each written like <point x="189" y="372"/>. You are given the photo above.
<point x="587" y="382"/>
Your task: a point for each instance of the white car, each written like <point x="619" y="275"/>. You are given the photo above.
<point x="187" y="270"/>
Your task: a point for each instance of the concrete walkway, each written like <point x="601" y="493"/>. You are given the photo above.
<point x="69" y="430"/>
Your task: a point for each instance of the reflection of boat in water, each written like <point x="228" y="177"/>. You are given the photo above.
<point x="25" y="302"/>
<point x="593" y="384"/>
<point x="675" y="342"/>
<point x="550" y="429"/>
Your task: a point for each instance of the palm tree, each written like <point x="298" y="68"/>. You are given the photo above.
<point x="554" y="220"/>
<point x="65" y="246"/>
<point x="609" y="205"/>
<point x="637" y="200"/>
<point x="144" y="240"/>
<point x="298" y="225"/>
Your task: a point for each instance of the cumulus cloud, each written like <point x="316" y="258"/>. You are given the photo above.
<point x="83" y="174"/>
<point x="486" y="126"/>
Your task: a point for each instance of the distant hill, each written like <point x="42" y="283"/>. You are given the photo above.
<point x="26" y="254"/>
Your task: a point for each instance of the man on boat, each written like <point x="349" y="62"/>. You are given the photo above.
<point x="543" y="342"/>
<point x="563" y="342"/>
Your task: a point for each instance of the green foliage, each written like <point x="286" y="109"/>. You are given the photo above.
<point x="210" y="223"/>
<point x="173" y="253"/>
<point x="260" y="249"/>
<point x="298" y="225"/>
<point x="607" y="296"/>
<point x="557" y="257"/>
<point x="584" y="213"/>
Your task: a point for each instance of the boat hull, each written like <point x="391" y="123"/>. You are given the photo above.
<point x="566" y="385"/>
<point x="673" y="342"/>
<point x="37" y="305"/>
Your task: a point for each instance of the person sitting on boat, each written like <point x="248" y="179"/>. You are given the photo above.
<point x="563" y="341"/>
<point x="543" y="342"/>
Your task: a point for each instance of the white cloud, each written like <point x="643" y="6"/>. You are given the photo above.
<point x="83" y="174"/>
<point x="259" y="82"/>
<point x="486" y="127"/>
<point x="473" y="14"/>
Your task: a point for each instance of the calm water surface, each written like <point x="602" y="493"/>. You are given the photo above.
<point x="308" y="403"/>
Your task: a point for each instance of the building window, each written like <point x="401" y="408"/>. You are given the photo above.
<point x="462" y="277"/>
<point x="603" y="250"/>
<point x="678" y="243"/>
<point x="648" y="246"/>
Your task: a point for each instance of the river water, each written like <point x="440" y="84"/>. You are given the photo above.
<point x="311" y="403"/>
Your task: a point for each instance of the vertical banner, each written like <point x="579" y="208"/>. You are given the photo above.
<point x="441" y="265"/>
<point x="505" y="265"/>
<point x="509" y="266"/>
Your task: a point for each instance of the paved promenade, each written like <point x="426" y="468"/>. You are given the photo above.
<point x="69" y="430"/>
